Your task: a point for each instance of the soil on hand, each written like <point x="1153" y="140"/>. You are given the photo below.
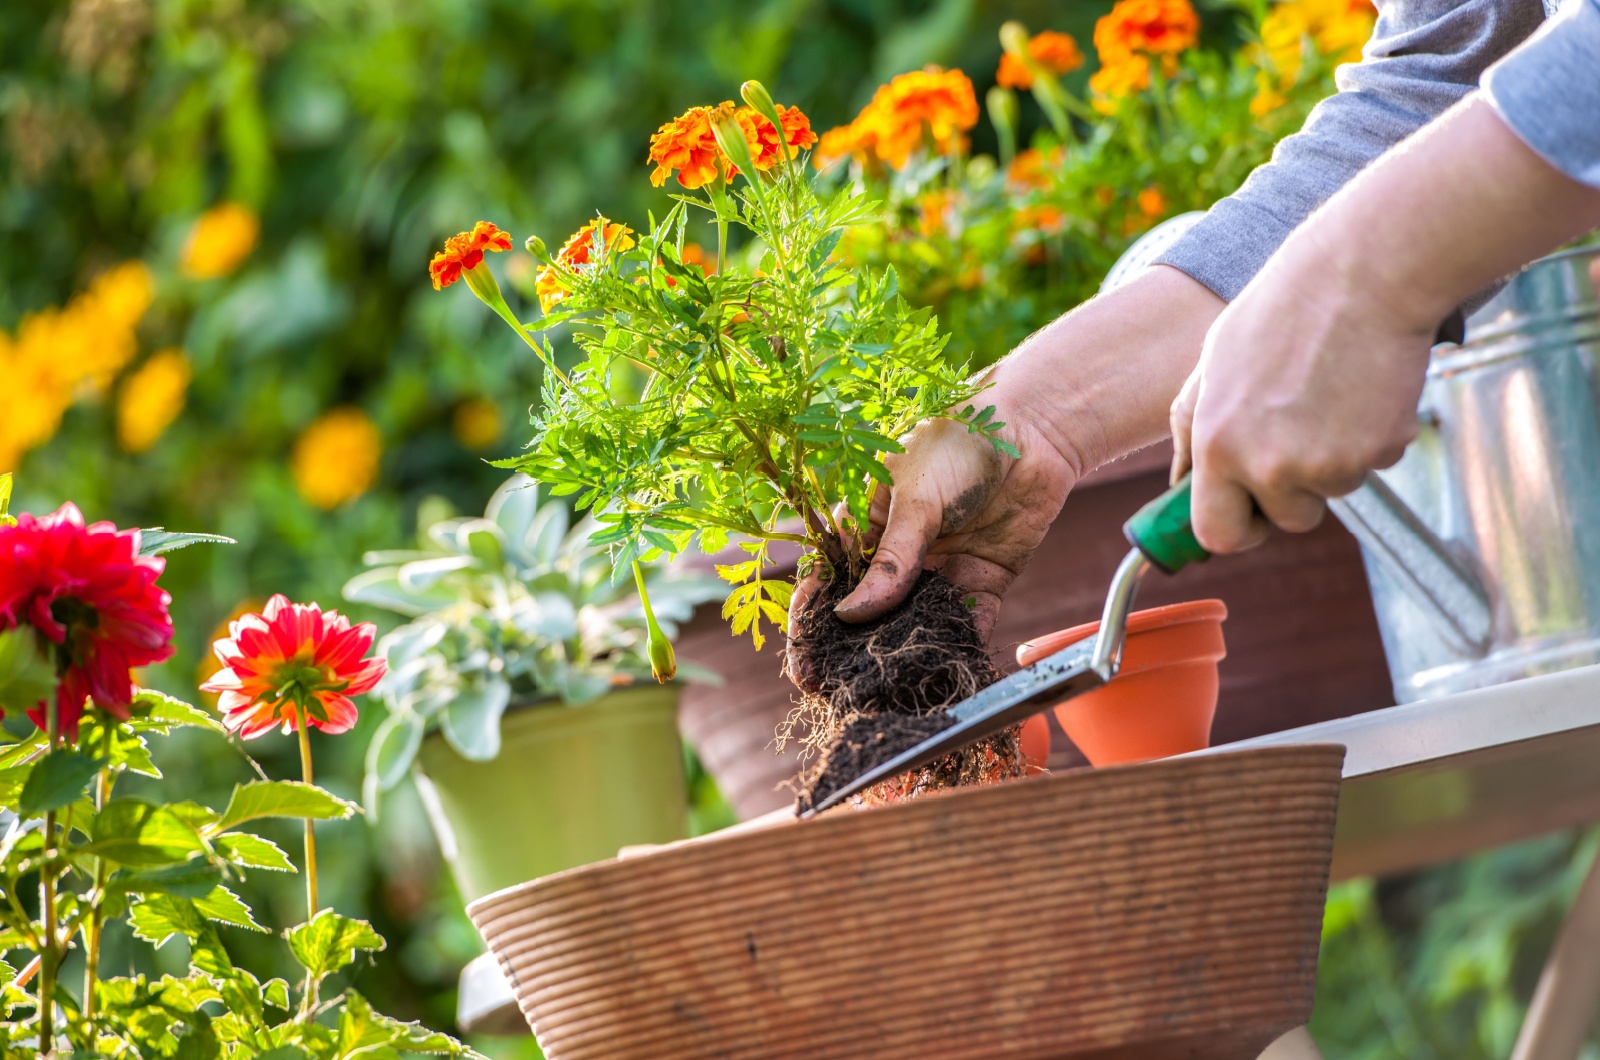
<point x="883" y="687"/>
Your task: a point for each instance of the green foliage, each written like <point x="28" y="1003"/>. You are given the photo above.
<point x="769" y="391"/>
<point x="26" y="674"/>
<point x="165" y="869"/>
<point x="514" y="606"/>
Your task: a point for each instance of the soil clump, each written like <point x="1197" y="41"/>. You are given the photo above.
<point x="880" y="688"/>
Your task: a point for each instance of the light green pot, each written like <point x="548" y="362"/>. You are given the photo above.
<point x="572" y="785"/>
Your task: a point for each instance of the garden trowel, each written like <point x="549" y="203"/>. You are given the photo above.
<point x="1162" y="537"/>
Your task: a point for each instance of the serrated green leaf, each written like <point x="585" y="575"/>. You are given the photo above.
<point x="155" y="541"/>
<point x="363" y="1031"/>
<point x="137" y="833"/>
<point x="247" y="849"/>
<point x="158" y="918"/>
<point x="281" y="798"/>
<point x="189" y="879"/>
<point x="57" y="780"/>
<point x="225" y="907"/>
<point x="160" y="712"/>
<point x="329" y="942"/>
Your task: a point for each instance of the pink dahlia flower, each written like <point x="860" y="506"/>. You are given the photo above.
<point x="292" y="656"/>
<point x="87" y="590"/>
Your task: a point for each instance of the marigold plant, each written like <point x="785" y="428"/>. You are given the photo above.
<point x="740" y="403"/>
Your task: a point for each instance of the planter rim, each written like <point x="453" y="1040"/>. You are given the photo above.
<point x="1151" y="618"/>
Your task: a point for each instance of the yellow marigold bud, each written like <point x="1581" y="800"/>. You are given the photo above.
<point x="730" y="138"/>
<point x="151" y="398"/>
<point x="535" y="246"/>
<point x="219" y="241"/>
<point x="663" y="661"/>
<point x="756" y="94"/>
<point x="336" y="458"/>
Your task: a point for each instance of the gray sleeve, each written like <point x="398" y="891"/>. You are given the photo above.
<point x="1424" y="56"/>
<point x="1548" y="91"/>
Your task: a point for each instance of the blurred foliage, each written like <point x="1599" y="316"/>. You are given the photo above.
<point x="357" y="134"/>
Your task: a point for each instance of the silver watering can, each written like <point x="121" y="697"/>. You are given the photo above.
<point x="1482" y="545"/>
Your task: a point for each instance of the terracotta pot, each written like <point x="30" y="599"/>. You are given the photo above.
<point x="1165" y="911"/>
<point x="1164" y="697"/>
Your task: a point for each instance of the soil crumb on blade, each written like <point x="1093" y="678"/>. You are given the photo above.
<point x="884" y="687"/>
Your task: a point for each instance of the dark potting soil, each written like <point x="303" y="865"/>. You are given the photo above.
<point x="883" y="687"/>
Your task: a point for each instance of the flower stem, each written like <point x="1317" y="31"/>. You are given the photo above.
<point x="311" y="834"/>
<point x="93" y="926"/>
<point x="49" y="953"/>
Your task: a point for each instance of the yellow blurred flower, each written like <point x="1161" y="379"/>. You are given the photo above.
<point x="61" y="354"/>
<point x="1114" y="80"/>
<point x="1335" y="29"/>
<point x="476" y="423"/>
<point x="220" y="241"/>
<point x="336" y="458"/>
<point x="151" y="398"/>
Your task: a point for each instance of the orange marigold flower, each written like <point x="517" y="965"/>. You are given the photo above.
<point x="695" y="254"/>
<point x="1129" y="74"/>
<point x="1056" y="52"/>
<point x="933" y="208"/>
<point x="842" y="142"/>
<point x="765" y="150"/>
<point x="1033" y="168"/>
<point x="1152" y="203"/>
<point x="577" y="252"/>
<point x="686" y="146"/>
<point x="925" y="105"/>
<point x="465" y="251"/>
<point x="1146" y="27"/>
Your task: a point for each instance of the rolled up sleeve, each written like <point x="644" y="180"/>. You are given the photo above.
<point x="1424" y="56"/>
<point x="1548" y="91"/>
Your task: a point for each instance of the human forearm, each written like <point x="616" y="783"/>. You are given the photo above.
<point x="1098" y="382"/>
<point x="1461" y="205"/>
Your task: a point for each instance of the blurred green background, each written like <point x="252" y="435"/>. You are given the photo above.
<point x="360" y="133"/>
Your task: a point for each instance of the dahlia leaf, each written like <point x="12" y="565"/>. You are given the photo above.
<point x="138" y="833"/>
<point x="57" y="780"/>
<point x="194" y="878"/>
<point x="363" y="1031"/>
<point x="329" y="942"/>
<point x="252" y="851"/>
<point x="155" y="541"/>
<point x="225" y="907"/>
<point x="159" y="917"/>
<point x="158" y="712"/>
<point x="280" y="798"/>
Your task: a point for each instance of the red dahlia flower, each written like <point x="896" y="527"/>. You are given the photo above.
<point x="89" y="593"/>
<point x="288" y="658"/>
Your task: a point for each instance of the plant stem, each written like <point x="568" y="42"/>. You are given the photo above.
<point x="92" y="927"/>
<point x="49" y="953"/>
<point x="312" y="905"/>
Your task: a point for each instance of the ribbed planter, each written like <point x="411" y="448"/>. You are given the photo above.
<point x="571" y="785"/>
<point x="1158" y="911"/>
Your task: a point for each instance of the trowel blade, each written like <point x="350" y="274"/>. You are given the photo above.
<point x="1052" y="679"/>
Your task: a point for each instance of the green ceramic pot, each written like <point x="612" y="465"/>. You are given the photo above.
<point x="572" y="785"/>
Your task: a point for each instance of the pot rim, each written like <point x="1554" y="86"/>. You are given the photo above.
<point x="1150" y="619"/>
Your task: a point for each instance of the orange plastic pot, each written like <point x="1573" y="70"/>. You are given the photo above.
<point x="1162" y="700"/>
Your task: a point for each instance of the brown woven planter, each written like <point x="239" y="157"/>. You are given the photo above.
<point x="1157" y="911"/>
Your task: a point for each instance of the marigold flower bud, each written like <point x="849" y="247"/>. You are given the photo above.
<point x="1014" y="38"/>
<point x="730" y="138"/>
<point x="1004" y="110"/>
<point x="536" y="247"/>
<point x="756" y="94"/>
<point x="663" y="661"/>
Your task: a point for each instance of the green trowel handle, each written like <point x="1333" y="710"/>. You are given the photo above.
<point x="1162" y="531"/>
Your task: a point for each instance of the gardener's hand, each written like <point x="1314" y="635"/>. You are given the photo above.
<point x="1093" y="386"/>
<point x="1311" y="377"/>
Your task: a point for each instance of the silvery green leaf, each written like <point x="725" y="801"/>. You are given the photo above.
<point x="546" y="533"/>
<point x="393" y="749"/>
<point x="425" y="573"/>
<point x="514" y="505"/>
<point x="472" y="721"/>
<point x="548" y="616"/>
<point x="381" y="588"/>
<point x="576" y="686"/>
<point x="482" y="539"/>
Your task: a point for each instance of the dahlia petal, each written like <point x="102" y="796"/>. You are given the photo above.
<point x="340" y="714"/>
